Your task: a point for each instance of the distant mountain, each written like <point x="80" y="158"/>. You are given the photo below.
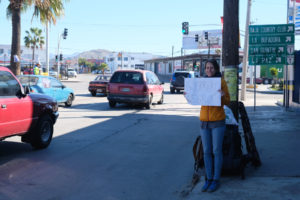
<point x="92" y="54"/>
<point x="100" y="54"/>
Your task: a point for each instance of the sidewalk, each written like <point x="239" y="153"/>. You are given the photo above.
<point x="277" y="137"/>
<point x="261" y="88"/>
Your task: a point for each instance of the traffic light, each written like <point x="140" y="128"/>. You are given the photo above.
<point x="56" y="57"/>
<point x="60" y="57"/>
<point x="185" y="28"/>
<point x="206" y="35"/>
<point x="196" y="38"/>
<point x="65" y="33"/>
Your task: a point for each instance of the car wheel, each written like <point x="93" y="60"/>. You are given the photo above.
<point x="69" y="101"/>
<point x="172" y="90"/>
<point x="149" y="103"/>
<point x="93" y="94"/>
<point x="177" y="91"/>
<point x="112" y="104"/>
<point x="161" y="101"/>
<point x="42" y="135"/>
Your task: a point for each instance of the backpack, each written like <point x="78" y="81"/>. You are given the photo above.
<point x="234" y="161"/>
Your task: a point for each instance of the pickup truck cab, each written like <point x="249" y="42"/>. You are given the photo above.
<point x="30" y="116"/>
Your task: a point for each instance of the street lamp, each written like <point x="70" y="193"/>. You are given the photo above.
<point x="64" y="35"/>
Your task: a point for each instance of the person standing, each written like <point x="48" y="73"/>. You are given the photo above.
<point x="212" y="129"/>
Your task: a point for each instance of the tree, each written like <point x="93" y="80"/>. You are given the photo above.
<point x="34" y="40"/>
<point x="103" y="67"/>
<point x="274" y="73"/>
<point x="48" y="10"/>
<point x="85" y="63"/>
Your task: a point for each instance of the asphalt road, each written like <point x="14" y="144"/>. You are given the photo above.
<point x="110" y="154"/>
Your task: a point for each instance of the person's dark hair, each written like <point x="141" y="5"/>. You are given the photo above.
<point x="216" y="66"/>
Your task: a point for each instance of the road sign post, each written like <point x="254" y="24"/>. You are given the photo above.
<point x="271" y="45"/>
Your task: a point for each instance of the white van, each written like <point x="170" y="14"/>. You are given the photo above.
<point x="72" y="72"/>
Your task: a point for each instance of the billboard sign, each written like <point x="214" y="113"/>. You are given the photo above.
<point x="214" y="40"/>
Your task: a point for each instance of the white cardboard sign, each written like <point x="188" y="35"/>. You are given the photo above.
<point x="203" y="91"/>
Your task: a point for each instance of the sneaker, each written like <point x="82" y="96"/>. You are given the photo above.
<point x="213" y="186"/>
<point x="206" y="185"/>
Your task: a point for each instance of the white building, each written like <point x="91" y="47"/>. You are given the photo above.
<point x="127" y="60"/>
<point x="26" y="55"/>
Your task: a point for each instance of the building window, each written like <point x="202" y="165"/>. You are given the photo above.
<point x="1" y="51"/>
<point x="119" y="58"/>
<point x="125" y="58"/>
<point x="132" y="66"/>
<point x="132" y="58"/>
<point x="125" y="65"/>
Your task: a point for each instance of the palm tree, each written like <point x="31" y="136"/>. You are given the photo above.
<point x="103" y="67"/>
<point x="48" y="10"/>
<point x="34" y="40"/>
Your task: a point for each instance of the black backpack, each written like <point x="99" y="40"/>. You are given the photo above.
<point x="234" y="161"/>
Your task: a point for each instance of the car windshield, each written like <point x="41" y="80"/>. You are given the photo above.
<point x="71" y="70"/>
<point x="102" y="78"/>
<point x="28" y="80"/>
<point x="186" y="75"/>
<point x="127" y="77"/>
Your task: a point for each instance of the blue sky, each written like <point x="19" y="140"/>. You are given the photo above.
<point x="137" y="25"/>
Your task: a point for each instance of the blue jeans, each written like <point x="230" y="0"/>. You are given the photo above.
<point x="212" y="140"/>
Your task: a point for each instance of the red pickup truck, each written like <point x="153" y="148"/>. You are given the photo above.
<point x="30" y="116"/>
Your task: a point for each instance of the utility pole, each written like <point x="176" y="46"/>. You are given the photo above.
<point x="230" y="49"/>
<point x="47" y="47"/>
<point x="181" y="58"/>
<point x="245" y="57"/>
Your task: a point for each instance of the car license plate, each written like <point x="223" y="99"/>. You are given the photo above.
<point x="99" y="90"/>
<point x="125" y="89"/>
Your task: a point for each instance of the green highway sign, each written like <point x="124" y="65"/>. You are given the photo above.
<point x="271" y="44"/>
<point x="277" y="50"/>
<point x="270" y="40"/>
<point x="272" y="29"/>
<point x="271" y="59"/>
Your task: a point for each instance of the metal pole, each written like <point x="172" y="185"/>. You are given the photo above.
<point x="172" y="58"/>
<point x="245" y="57"/>
<point x="58" y="63"/>
<point x="47" y="48"/>
<point x="286" y="87"/>
<point x="254" y="87"/>
<point x="181" y="58"/>
<point x="208" y="49"/>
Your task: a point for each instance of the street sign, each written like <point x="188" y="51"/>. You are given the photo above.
<point x="271" y="29"/>
<point x="271" y="44"/>
<point x="270" y="40"/>
<point x="271" y="59"/>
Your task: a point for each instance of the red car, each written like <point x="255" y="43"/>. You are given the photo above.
<point x="99" y="85"/>
<point x="30" y="116"/>
<point x="135" y="87"/>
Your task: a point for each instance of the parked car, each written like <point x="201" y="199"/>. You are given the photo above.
<point x="99" y="85"/>
<point x="72" y="72"/>
<point x="53" y="73"/>
<point x="177" y="80"/>
<point x="29" y="115"/>
<point x="135" y="87"/>
<point x="50" y="86"/>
